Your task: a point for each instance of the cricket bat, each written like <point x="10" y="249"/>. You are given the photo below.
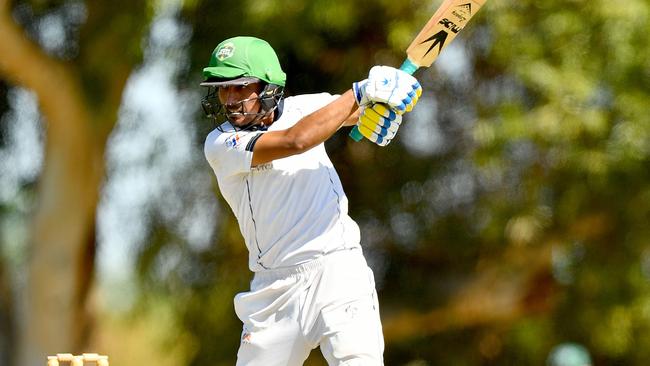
<point x="450" y="18"/>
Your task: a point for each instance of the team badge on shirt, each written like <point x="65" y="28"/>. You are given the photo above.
<point x="246" y="337"/>
<point x="232" y="141"/>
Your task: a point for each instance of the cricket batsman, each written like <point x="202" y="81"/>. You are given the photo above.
<point x="311" y="286"/>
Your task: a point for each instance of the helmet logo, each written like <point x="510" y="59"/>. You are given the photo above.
<point x="226" y="51"/>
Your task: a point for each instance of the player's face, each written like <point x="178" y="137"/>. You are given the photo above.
<point x="239" y="101"/>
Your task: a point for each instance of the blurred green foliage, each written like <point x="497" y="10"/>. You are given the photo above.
<point x="546" y="145"/>
<point x="512" y="212"/>
<point x="545" y="140"/>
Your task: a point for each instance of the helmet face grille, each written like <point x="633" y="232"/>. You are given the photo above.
<point x="269" y="98"/>
<point x="210" y="103"/>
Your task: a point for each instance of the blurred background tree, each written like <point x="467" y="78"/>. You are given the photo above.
<point x="510" y="215"/>
<point x="75" y="57"/>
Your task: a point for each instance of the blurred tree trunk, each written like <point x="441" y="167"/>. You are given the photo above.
<point x="79" y="100"/>
<point x="515" y="284"/>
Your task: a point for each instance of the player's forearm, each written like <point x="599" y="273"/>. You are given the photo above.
<point x="323" y="123"/>
<point x="308" y="132"/>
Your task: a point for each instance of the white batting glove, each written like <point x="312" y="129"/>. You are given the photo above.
<point x="389" y="85"/>
<point x="379" y="123"/>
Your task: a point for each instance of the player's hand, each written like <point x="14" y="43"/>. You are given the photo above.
<point x="379" y="123"/>
<point x="389" y="85"/>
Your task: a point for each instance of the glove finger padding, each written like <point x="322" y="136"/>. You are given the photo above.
<point x="379" y="123"/>
<point x="415" y="96"/>
<point x="374" y="137"/>
<point x="384" y="111"/>
<point x="394" y="87"/>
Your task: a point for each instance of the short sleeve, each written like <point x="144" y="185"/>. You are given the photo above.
<point x="230" y="153"/>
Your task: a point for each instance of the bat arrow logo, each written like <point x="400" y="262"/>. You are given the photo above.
<point x="467" y="7"/>
<point x="438" y="38"/>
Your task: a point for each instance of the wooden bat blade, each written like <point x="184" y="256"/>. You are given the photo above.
<point x="442" y="28"/>
<point x="450" y="18"/>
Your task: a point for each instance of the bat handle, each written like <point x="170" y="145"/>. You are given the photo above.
<point x="355" y="134"/>
<point x="407" y="66"/>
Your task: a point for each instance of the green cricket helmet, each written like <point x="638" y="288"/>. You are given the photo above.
<point x="242" y="61"/>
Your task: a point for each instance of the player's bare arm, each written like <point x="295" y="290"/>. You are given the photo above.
<point x="393" y="89"/>
<point x="310" y="131"/>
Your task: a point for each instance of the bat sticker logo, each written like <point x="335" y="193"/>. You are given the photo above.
<point x="450" y="25"/>
<point x="438" y="38"/>
<point x="463" y="13"/>
<point x="467" y="7"/>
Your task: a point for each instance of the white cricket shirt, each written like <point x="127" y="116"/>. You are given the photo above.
<point x="291" y="210"/>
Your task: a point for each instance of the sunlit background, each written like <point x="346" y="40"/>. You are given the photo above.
<point x="510" y="216"/>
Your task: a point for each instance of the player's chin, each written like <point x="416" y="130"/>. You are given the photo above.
<point x="238" y="120"/>
<point x="241" y="121"/>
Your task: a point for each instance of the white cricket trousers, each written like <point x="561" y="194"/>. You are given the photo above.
<point x="330" y="302"/>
